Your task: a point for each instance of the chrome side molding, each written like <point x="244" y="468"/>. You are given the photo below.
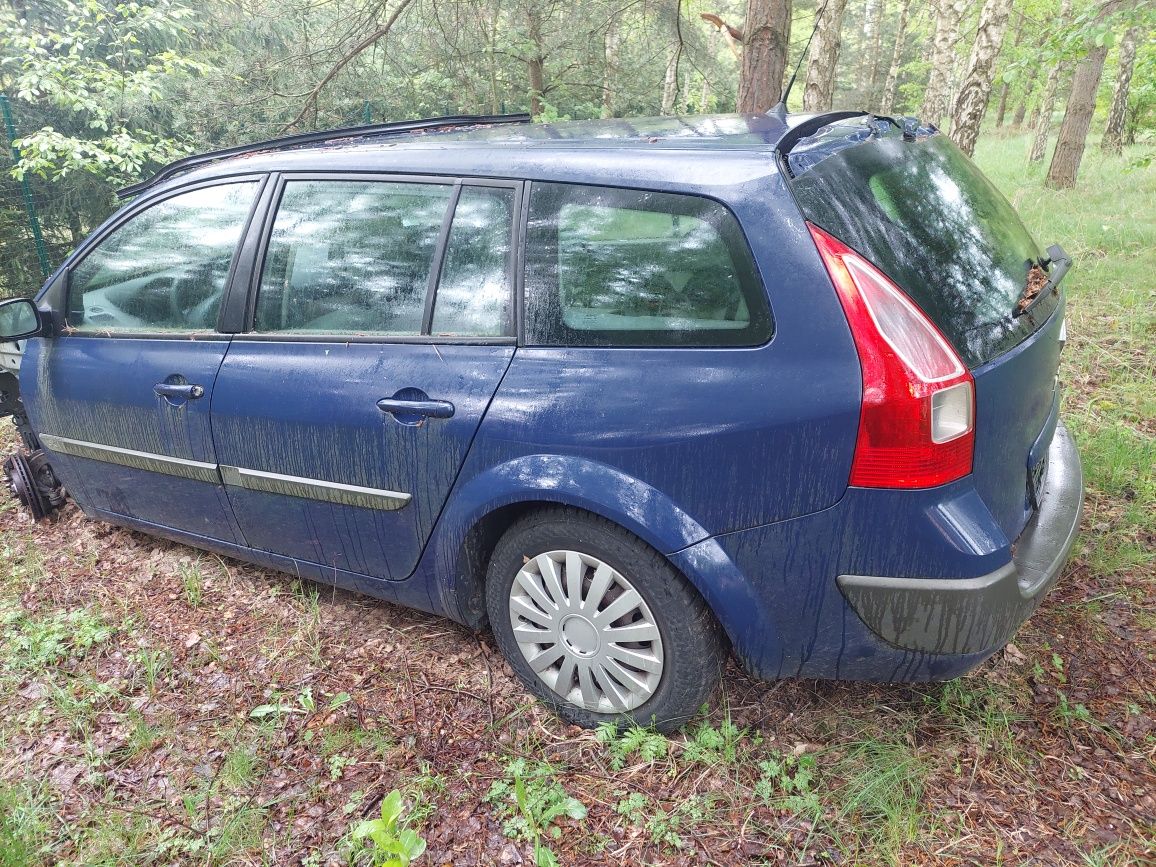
<point x="239" y="477"/>
<point x="313" y="489"/>
<point x="170" y="466"/>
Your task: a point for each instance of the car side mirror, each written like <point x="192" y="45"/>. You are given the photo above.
<point x="19" y="318"/>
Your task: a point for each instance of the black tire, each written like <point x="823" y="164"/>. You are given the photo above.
<point x="694" y="650"/>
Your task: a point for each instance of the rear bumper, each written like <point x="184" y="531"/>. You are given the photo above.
<point x="977" y="615"/>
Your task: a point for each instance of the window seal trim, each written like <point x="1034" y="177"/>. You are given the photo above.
<point x="439" y="258"/>
<point x="298" y="337"/>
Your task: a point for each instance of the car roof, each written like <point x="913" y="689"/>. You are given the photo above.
<point x="664" y="152"/>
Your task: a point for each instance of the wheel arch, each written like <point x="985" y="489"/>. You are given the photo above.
<point x="484" y="507"/>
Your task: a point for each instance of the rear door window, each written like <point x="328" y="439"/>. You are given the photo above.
<point x="351" y="257"/>
<point x="617" y="267"/>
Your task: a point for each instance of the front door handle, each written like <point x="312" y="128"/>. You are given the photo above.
<point x="400" y="408"/>
<point x="182" y="391"/>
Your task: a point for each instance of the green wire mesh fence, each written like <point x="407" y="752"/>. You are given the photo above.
<point x="40" y="220"/>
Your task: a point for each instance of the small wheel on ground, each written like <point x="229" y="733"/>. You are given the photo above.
<point x="599" y="625"/>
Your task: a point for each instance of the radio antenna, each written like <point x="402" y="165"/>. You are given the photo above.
<point x="780" y="108"/>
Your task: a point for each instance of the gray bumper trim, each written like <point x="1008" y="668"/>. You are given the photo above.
<point x="972" y="615"/>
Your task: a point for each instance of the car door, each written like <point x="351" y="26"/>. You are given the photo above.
<point x="381" y="325"/>
<point x="120" y="394"/>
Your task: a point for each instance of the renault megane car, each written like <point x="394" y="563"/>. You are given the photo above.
<point x="636" y="393"/>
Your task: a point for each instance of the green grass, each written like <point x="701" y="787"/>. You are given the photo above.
<point x="23" y="826"/>
<point x="1108" y="224"/>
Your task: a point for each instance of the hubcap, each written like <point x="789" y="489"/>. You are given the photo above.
<point x="586" y="631"/>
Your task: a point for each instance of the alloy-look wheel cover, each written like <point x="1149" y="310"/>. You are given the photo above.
<point x="586" y="632"/>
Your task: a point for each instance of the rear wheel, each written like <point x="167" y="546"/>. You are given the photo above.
<point x="600" y="625"/>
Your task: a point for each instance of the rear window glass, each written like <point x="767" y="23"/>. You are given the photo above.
<point x="924" y="214"/>
<point x="613" y="267"/>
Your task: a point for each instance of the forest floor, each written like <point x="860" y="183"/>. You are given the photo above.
<point x="163" y="705"/>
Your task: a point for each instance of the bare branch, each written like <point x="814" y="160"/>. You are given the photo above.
<point x="311" y="99"/>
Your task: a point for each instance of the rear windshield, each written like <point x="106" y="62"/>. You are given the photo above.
<point x="926" y="216"/>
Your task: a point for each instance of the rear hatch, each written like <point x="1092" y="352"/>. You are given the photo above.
<point x="920" y="211"/>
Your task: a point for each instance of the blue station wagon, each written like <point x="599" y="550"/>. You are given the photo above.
<point x="635" y="393"/>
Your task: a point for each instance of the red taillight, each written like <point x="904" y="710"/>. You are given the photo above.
<point x="917" y="423"/>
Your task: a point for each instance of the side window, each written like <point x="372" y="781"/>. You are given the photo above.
<point x="616" y="267"/>
<point x="473" y="297"/>
<point x="166" y="268"/>
<point x="350" y="257"/>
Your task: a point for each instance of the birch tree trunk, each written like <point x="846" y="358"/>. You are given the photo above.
<point x="819" y="89"/>
<point x="948" y="15"/>
<point x="1042" y="114"/>
<point x="974" y="93"/>
<point x="887" y="101"/>
<point x="1001" y="115"/>
<point x="1022" y="106"/>
<point x="1046" y="108"/>
<point x="766" y="34"/>
<point x="1073" y="135"/>
<point x="1114" y="133"/>
<point x="610" y="45"/>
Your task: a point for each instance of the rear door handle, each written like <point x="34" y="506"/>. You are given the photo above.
<point x="173" y="391"/>
<point x="424" y="408"/>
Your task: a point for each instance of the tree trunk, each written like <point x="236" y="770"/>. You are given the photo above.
<point x="887" y="102"/>
<point x="536" y="64"/>
<point x="1046" y="107"/>
<point x="1022" y="107"/>
<point x="1001" y="115"/>
<point x="673" y="56"/>
<point x="819" y="89"/>
<point x="1114" y="133"/>
<point x="873" y="33"/>
<point x="766" y="34"/>
<point x="1069" y="150"/>
<point x="704" y="100"/>
<point x="948" y="15"/>
<point x="670" y="80"/>
<point x="1042" y="114"/>
<point x="610" y="45"/>
<point x="971" y="104"/>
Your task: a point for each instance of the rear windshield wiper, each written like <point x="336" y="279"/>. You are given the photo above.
<point x="1060" y="262"/>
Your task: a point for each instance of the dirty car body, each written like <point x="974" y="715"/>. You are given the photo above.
<point x="664" y="324"/>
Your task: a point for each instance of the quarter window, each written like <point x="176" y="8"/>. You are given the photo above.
<point x="614" y="267"/>
<point x="351" y="257"/>
<point x="473" y="296"/>
<point x="166" y="268"/>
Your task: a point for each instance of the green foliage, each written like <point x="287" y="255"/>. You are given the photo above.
<point x="662" y="825"/>
<point x="531" y="801"/>
<point x="645" y="743"/>
<point x="392" y="844"/>
<point x="37" y="643"/>
<point x="789" y="780"/>
<point x="101" y="72"/>
<point x="712" y="746"/>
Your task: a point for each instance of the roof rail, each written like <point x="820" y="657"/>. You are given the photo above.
<point x="305" y="138"/>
